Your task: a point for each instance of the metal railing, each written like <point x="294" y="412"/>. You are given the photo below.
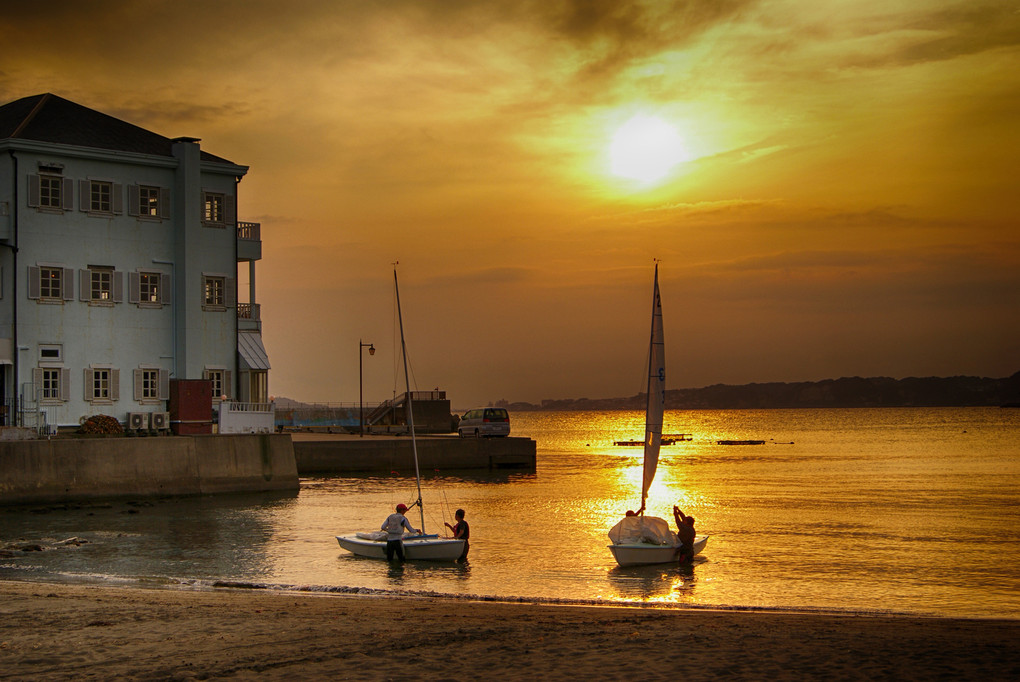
<point x="249" y="311"/>
<point x="249" y="231"/>
<point x="238" y="417"/>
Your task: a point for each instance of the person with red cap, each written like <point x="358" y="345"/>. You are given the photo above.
<point x="394" y="526"/>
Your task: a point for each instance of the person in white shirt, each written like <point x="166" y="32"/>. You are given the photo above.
<point x="394" y="526"/>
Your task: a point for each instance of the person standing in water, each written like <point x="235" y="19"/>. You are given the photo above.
<point x="685" y="534"/>
<point x="461" y="531"/>
<point x="394" y="526"/>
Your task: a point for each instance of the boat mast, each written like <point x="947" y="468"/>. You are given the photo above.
<point x="408" y="401"/>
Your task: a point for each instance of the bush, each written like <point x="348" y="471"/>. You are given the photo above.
<point x="100" y="423"/>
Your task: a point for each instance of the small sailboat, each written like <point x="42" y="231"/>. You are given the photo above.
<point x="640" y="539"/>
<point x="422" y="547"/>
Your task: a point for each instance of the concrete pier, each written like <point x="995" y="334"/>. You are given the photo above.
<point x="86" y="468"/>
<point x="325" y="453"/>
<point x="69" y="469"/>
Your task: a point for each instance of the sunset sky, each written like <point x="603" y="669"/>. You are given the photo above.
<point x="839" y="188"/>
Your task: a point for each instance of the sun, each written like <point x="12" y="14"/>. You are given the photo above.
<point x="645" y="148"/>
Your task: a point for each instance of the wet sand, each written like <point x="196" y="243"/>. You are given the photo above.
<point x="57" y="631"/>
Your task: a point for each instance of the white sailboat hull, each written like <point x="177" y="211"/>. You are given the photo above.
<point x="643" y="553"/>
<point x="416" y="547"/>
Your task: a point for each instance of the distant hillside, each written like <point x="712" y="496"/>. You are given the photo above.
<point x="845" y="392"/>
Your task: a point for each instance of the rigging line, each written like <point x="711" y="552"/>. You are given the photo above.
<point x="446" y="507"/>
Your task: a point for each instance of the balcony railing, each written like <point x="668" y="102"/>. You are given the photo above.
<point x="249" y="231"/>
<point x="238" y="417"/>
<point x="249" y="311"/>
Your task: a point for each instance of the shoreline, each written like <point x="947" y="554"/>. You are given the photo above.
<point x="247" y="587"/>
<point x="60" y="630"/>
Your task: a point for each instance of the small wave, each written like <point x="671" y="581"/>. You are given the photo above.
<point x="510" y="599"/>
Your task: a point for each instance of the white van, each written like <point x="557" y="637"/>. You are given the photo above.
<point x="484" y="422"/>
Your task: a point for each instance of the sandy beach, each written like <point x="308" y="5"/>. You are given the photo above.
<point x="57" y="631"/>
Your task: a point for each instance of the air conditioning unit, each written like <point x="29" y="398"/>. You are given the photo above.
<point x="160" y="421"/>
<point x="138" y="421"/>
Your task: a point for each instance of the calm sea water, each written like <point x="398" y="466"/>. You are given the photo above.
<point x="886" y="510"/>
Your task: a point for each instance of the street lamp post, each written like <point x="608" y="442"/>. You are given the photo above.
<point x="361" y="383"/>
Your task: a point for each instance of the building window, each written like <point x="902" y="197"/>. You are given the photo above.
<point x="102" y="384"/>
<point x="148" y="201"/>
<point x="51" y="283"/>
<point x="50" y="389"/>
<point x="149" y="289"/>
<point x="101" y="197"/>
<point x="51" y="353"/>
<point x="214" y="208"/>
<point x="220" y="379"/>
<point x="51" y="384"/>
<point x="151" y="384"/>
<point x="50" y="191"/>
<point x="215" y="291"/>
<point x="102" y="284"/>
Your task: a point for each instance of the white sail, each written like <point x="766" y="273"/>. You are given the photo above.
<point x="656" y="397"/>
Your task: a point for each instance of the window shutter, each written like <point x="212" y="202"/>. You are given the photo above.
<point x="85" y="285"/>
<point x="164" y="384"/>
<point x="118" y="286"/>
<point x="36" y="382"/>
<point x="229" y="210"/>
<point x="228" y="388"/>
<point x="67" y="190"/>
<point x="165" y="293"/>
<point x="230" y="292"/>
<point x="84" y="195"/>
<point x="118" y="198"/>
<point x="134" y="199"/>
<point x="115" y="384"/>
<point x="136" y="380"/>
<point x="134" y="287"/>
<point x="201" y="208"/>
<point x="33" y="191"/>
<point x="65" y="384"/>
<point x="68" y="284"/>
<point x="89" y="395"/>
<point x="164" y="203"/>
<point x="34" y="283"/>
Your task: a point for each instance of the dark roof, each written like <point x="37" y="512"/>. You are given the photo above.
<point x="48" y="118"/>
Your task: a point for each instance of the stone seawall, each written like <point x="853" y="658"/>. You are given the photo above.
<point x="66" y="469"/>
<point x="333" y="454"/>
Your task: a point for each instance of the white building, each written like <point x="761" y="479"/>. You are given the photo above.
<point x="119" y="257"/>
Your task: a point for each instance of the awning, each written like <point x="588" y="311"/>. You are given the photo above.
<point x="253" y="353"/>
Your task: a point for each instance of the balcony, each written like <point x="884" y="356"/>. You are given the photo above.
<point x="249" y="241"/>
<point x="249" y="317"/>
<point x="238" y="417"/>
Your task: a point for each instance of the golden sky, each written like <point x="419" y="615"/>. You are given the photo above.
<point x="840" y="198"/>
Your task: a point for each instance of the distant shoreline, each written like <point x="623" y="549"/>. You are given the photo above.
<point x="958" y="391"/>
